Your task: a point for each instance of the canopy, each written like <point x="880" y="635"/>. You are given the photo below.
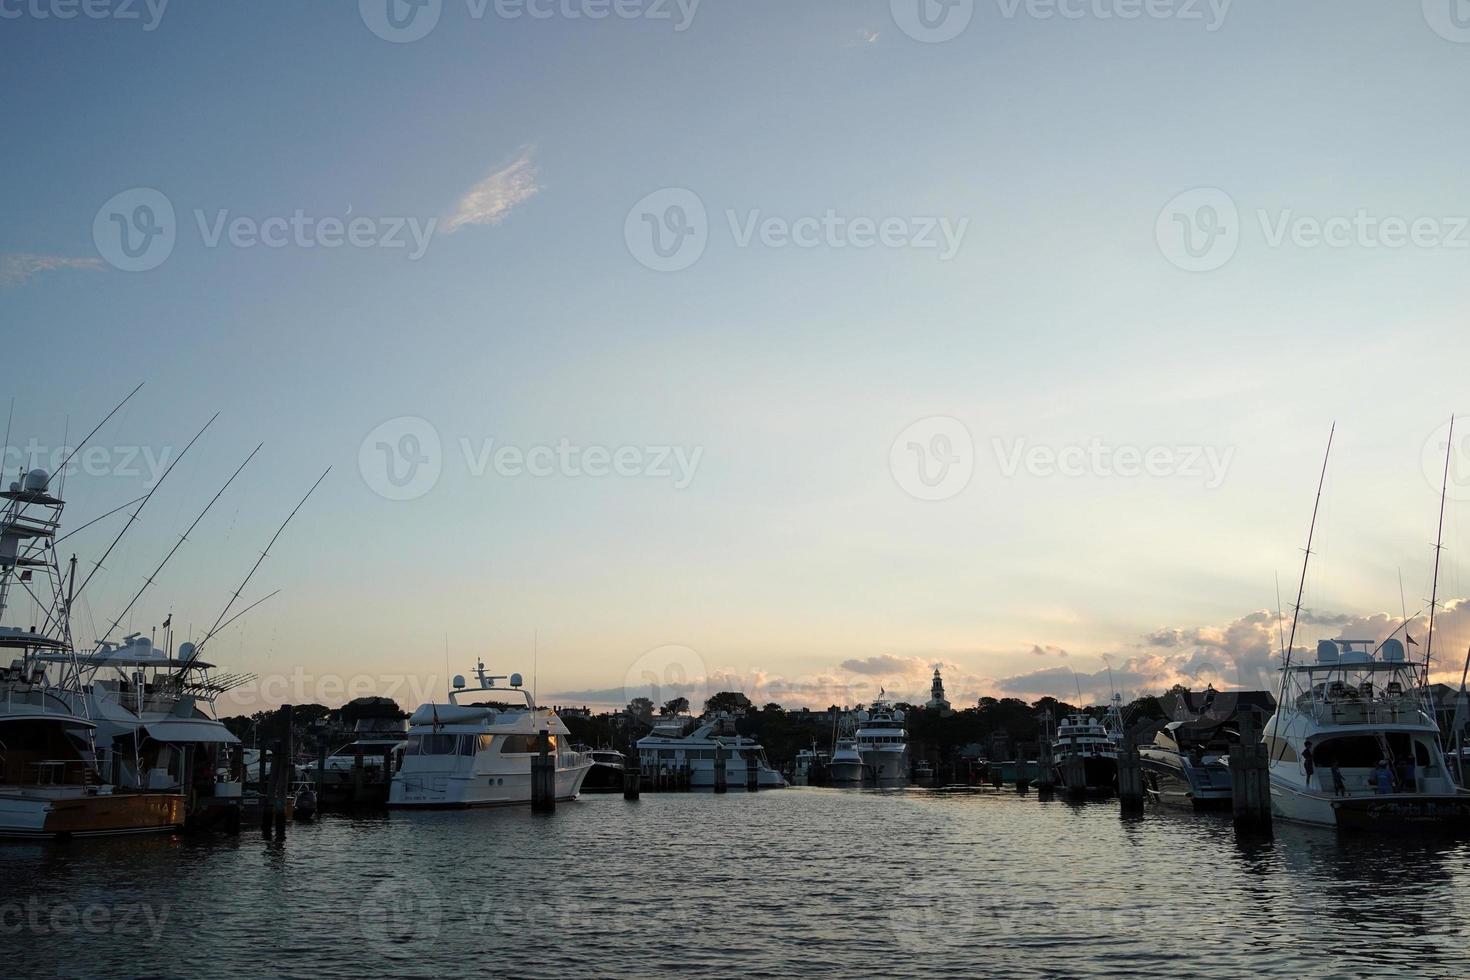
<point x="187" y="730"/>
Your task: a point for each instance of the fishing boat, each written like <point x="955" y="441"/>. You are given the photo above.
<point x="809" y="768"/>
<point x="50" y="785"/>
<point x="480" y="754"/>
<point x="1361" y="707"/>
<point x="1353" y="743"/>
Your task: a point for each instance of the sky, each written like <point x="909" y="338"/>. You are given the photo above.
<point x="662" y="347"/>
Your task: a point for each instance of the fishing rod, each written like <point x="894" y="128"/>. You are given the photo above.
<point x="216" y="627"/>
<point x="94" y="520"/>
<point x="179" y="544"/>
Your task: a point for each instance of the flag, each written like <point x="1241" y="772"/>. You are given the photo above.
<point x="169" y="621"/>
<point x="1412" y="642"/>
<point x="25" y="576"/>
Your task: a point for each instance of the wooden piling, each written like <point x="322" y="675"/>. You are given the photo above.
<point x="1250" y="779"/>
<point x="632" y="778"/>
<point x="1130" y="777"/>
<point x="543" y="776"/>
<point x="720" y="784"/>
<point x="267" y="791"/>
<point x="1045" y="776"/>
<point x="752" y="774"/>
<point x="1074" y="775"/>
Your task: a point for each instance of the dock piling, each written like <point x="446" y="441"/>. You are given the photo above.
<point x="1130" y="776"/>
<point x="720" y="783"/>
<point x="632" y="777"/>
<point x="1250" y="779"/>
<point x="543" y="777"/>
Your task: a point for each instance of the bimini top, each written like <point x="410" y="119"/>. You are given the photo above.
<point x="1357" y="655"/>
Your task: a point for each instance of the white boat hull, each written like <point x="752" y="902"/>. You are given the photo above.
<point x="847" y="773"/>
<point x="430" y="790"/>
<point x="887" y="767"/>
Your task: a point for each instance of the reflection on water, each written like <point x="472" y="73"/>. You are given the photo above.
<point x="801" y="881"/>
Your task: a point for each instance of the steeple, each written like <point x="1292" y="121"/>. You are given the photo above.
<point x="936" y="693"/>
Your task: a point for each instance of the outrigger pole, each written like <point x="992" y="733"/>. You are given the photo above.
<point x="1438" y="547"/>
<point x="1306" y="558"/>
<point x="219" y="621"/>
<point x="182" y="538"/>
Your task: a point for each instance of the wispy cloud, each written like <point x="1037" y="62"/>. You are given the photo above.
<point x="489" y="201"/>
<point x="18" y="268"/>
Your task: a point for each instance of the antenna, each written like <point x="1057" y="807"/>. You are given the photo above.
<point x="5" y="450"/>
<point x="1438" y="547"/>
<point x="215" y="628"/>
<point x="1306" y="558"/>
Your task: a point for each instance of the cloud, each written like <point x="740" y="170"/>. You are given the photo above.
<point x="1037" y="650"/>
<point x="885" y="664"/>
<point x="17" y="269"/>
<point x="489" y="201"/>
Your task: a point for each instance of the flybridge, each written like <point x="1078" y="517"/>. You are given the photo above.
<point x="1343" y="655"/>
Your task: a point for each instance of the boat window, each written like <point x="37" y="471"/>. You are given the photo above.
<point x="1348" y="751"/>
<point x="524" y="744"/>
<point x="432" y="745"/>
<point x="1421" y="755"/>
<point x="483" y="742"/>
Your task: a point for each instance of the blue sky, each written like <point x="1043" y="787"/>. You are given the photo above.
<point x="797" y="559"/>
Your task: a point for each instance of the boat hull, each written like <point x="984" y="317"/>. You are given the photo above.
<point x="1173" y="781"/>
<point x="887" y="767"/>
<point x="100" y="815"/>
<point x="1390" y="812"/>
<point x="455" y="792"/>
<point x="846" y="773"/>
<point x="1100" y="773"/>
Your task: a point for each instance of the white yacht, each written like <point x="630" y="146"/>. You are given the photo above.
<point x="883" y="743"/>
<point x="463" y="755"/>
<point x="1085" y="737"/>
<point x="678" y="743"/>
<point x="1363" y="707"/>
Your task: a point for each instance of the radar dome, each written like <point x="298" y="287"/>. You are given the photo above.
<point x="458" y="681"/>
<point x="186" y="651"/>
<point x="515" y="680"/>
<point x="1327" y="652"/>
<point x="1393" y="650"/>
<point x="36" y="480"/>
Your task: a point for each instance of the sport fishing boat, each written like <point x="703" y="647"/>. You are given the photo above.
<point x="1361" y="707"/>
<point x="1083" y="737"/>
<point x="464" y="755"/>
<point x="677" y="743"/>
<point x="883" y="743"/>
<point x="1188" y="763"/>
<point x="50" y="785"/>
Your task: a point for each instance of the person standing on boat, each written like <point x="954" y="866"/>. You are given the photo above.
<point x="1307" y="763"/>
<point x="1339" y="788"/>
<point x="1406" y="775"/>
<point x="1383" y="778"/>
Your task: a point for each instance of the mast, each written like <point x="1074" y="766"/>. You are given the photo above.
<point x="1302" y="585"/>
<point x="1438" y="547"/>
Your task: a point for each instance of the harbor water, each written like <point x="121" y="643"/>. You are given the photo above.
<point x="801" y="882"/>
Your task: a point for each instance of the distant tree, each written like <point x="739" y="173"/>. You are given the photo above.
<point x="773" y="708"/>
<point x="368" y="708"/>
<point x="641" y="708"/>
<point x="674" y="706"/>
<point x="732" y="701"/>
